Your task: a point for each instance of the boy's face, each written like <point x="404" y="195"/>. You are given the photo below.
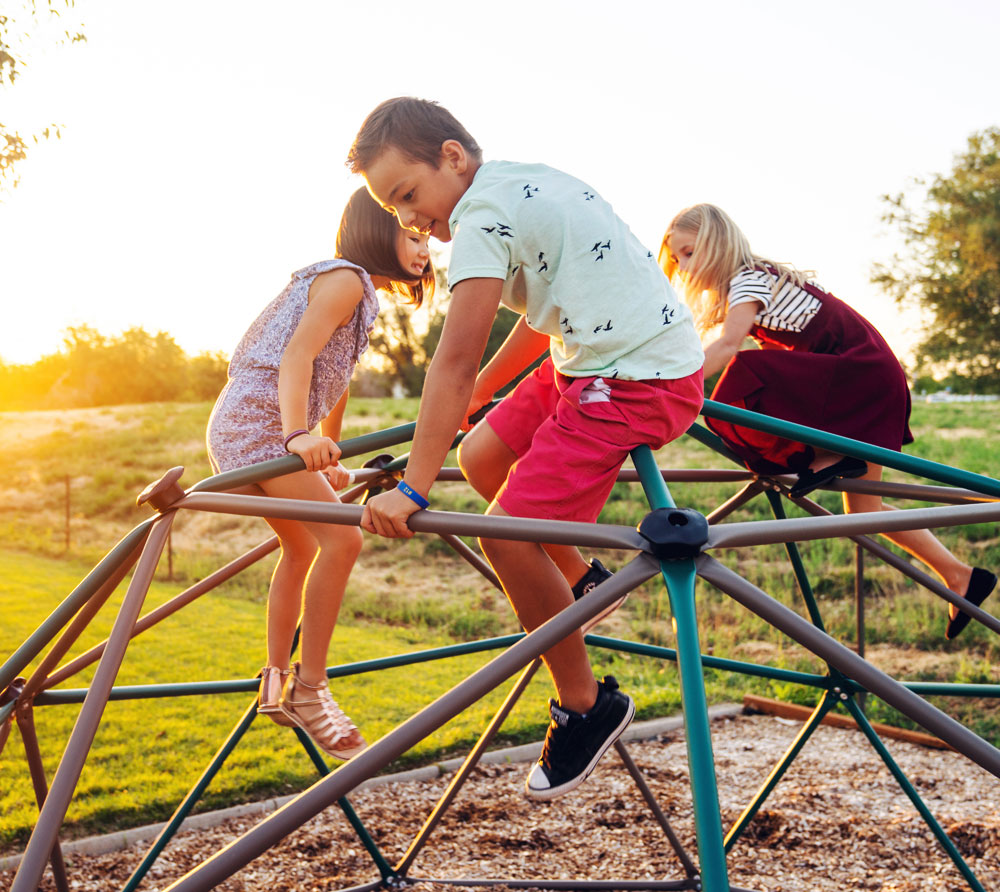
<point x="420" y="195"/>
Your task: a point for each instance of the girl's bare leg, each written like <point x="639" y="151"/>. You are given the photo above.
<point x="335" y="549"/>
<point x="922" y="544"/>
<point x="284" y="599"/>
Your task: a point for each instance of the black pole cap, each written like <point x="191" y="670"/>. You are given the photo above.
<point x="674" y="533"/>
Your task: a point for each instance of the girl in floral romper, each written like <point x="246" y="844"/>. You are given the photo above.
<point x="288" y="375"/>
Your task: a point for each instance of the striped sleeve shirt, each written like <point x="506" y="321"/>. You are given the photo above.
<point x="791" y="309"/>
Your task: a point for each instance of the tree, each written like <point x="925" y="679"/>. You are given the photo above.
<point x="404" y="354"/>
<point x="951" y="266"/>
<point x="23" y="25"/>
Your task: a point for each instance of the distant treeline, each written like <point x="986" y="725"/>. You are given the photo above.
<point x="94" y="369"/>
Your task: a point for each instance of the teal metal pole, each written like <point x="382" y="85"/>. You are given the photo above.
<point x="679" y="577"/>
<point x="944" y="689"/>
<point x="189" y="801"/>
<point x="288" y="463"/>
<point x="810" y="679"/>
<point x="798" y="568"/>
<point x="233" y="686"/>
<point x="845" y="446"/>
<point x="704" y="436"/>
<point x="813" y="722"/>
<point x="384" y="867"/>
<point x="914" y="796"/>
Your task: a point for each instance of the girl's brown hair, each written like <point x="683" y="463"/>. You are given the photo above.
<point x="721" y="250"/>
<point x="368" y="237"/>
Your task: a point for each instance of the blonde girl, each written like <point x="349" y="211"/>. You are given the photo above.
<point x="288" y="375"/>
<point x="822" y="364"/>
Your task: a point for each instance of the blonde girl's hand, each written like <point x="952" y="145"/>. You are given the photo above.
<point x="316" y="452"/>
<point x="338" y="475"/>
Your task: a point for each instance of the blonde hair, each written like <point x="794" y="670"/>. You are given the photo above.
<point x="721" y="250"/>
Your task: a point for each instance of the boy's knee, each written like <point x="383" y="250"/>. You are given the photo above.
<point x="469" y="455"/>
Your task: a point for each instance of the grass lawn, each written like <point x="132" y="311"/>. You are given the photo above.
<point x="403" y="597"/>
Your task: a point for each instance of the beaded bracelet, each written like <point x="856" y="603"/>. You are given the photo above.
<point x="412" y="494"/>
<point x="293" y="435"/>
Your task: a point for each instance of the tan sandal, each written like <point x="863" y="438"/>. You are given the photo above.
<point x="316" y="712"/>
<point x="272" y="681"/>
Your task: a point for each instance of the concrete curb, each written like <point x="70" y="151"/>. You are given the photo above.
<point x="529" y="752"/>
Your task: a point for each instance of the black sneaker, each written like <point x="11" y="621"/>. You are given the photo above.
<point x="575" y="743"/>
<point x="587" y="583"/>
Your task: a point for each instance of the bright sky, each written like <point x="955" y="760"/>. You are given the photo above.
<point x="203" y="140"/>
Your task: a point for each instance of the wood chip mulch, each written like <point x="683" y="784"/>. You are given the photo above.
<point x="836" y="821"/>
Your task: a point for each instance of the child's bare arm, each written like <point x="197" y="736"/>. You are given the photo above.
<point x="331" y="427"/>
<point x="447" y="390"/>
<point x="333" y="297"/>
<point x="739" y="321"/>
<point x="521" y="348"/>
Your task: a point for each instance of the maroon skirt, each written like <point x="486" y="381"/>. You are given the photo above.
<point x="838" y="376"/>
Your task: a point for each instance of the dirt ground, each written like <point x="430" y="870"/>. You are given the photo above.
<point x="836" y="821"/>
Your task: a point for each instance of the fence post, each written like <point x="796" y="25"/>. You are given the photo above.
<point x="67" y="513"/>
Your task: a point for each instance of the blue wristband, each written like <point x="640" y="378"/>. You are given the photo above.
<point x="412" y="494"/>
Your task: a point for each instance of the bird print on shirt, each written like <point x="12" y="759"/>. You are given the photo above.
<point x="501" y="229"/>
<point x="529" y="190"/>
<point x="544" y="264"/>
<point x="599" y="249"/>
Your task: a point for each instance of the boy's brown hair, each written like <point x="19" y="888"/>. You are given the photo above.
<point x="415" y="127"/>
<point x="368" y="236"/>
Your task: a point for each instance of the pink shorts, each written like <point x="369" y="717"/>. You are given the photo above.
<point x="572" y="435"/>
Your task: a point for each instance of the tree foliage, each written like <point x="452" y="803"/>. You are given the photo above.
<point x="24" y="25"/>
<point x="404" y="354"/>
<point x="99" y="370"/>
<point x="951" y="267"/>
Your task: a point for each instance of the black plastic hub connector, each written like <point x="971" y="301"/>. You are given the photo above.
<point x="674" y="533"/>
<point x="383" y="481"/>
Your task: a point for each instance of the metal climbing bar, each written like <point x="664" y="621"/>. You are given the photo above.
<point x="888" y="458"/>
<point x="677" y="564"/>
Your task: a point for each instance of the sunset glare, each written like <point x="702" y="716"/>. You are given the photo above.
<point x="202" y="155"/>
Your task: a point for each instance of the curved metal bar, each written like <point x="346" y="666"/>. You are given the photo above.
<point x="851" y="665"/>
<point x="771" y="532"/>
<point x="557" y="532"/>
<point x="328" y="790"/>
<point x="43" y="837"/>
<point x="87" y="589"/>
<point x="845" y="446"/>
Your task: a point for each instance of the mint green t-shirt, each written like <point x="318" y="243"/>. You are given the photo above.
<point x="575" y="271"/>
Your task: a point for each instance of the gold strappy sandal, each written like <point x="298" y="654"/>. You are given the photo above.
<point x="316" y="712"/>
<point x="272" y="681"/>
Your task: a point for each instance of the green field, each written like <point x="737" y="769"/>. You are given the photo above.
<point x="404" y="596"/>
